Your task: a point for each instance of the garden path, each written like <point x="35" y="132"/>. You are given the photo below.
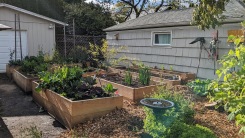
<point x="19" y="114"/>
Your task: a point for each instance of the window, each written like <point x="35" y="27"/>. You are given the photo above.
<point x="162" y="38"/>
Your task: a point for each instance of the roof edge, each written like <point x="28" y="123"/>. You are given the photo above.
<point x="32" y="13"/>
<point x="187" y="23"/>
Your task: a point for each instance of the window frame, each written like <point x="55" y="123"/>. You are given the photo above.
<point x="161" y="32"/>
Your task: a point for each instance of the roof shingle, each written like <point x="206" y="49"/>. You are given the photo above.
<point x="235" y="13"/>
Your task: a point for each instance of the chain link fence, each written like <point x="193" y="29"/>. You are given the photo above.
<point x="64" y="44"/>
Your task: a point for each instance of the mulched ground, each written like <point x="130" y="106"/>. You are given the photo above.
<point x="128" y="122"/>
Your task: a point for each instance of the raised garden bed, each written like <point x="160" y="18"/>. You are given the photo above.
<point x="184" y="76"/>
<point x="70" y="113"/>
<point x="167" y="79"/>
<point x="23" y="81"/>
<point x="135" y="93"/>
<point x="89" y="72"/>
<point x="9" y="70"/>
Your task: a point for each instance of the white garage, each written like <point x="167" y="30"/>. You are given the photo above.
<point x="7" y="44"/>
<point x="37" y="33"/>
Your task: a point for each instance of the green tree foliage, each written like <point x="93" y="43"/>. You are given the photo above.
<point x="90" y="18"/>
<point x="208" y="14"/>
<point x="123" y="9"/>
<point x="49" y="8"/>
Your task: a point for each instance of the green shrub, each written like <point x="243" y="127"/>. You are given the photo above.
<point x="228" y="90"/>
<point x="182" y="130"/>
<point x="144" y="75"/>
<point x="157" y="122"/>
<point x="78" y="54"/>
<point x="128" y="78"/>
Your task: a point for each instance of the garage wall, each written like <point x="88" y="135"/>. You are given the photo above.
<point x="181" y="55"/>
<point x="39" y="36"/>
<point x="7" y="44"/>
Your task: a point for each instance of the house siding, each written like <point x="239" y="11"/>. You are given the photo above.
<point x="39" y="36"/>
<point x="181" y="55"/>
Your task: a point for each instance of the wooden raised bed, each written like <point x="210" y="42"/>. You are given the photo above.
<point x="153" y="78"/>
<point x="10" y="70"/>
<point x="130" y="93"/>
<point x="99" y="72"/>
<point x="70" y="113"/>
<point x="24" y="82"/>
<point x="184" y="76"/>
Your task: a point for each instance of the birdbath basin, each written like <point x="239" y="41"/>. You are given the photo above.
<point x="156" y="103"/>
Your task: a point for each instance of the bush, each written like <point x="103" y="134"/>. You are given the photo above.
<point x="182" y="130"/>
<point x="228" y="90"/>
<point x="157" y="122"/>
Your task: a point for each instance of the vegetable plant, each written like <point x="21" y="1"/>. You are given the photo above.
<point x="33" y="65"/>
<point x="68" y="82"/>
<point x="228" y="90"/>
<point x="171" y="68"/>
<point x="199" y="87"/>
<point x="13" y="62"/>
<point x="162" y="67"/>
<point x="128" y="78"/>
<point x="144" y="75"/>
<point x="109" y="89"/>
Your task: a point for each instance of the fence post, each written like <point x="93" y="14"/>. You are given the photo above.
<point x="65" y="38"/>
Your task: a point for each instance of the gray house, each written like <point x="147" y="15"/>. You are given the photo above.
<point x="164" y="39"/>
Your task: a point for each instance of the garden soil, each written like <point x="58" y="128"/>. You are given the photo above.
<point x="20" y="117"/>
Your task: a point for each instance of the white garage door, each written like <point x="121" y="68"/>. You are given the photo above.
<point x="7" y="44"/>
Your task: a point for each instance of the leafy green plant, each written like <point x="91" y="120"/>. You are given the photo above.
<point x="181" y="130"/>
<point x="128" y="78"/>
<point x="162" y="67"/>
<point x="199" y="87"/>
<point x="228" y="90"/>
<point x="157" y="123"/>
<point x="144" y="75"/>
<point x="171" y="68"/>
<point x="78" y="54"/>
<point x="13" y="62"/>
<point x="33" y="65"/>
<point x="109" y="89"/>
<point x="68" y="82"/>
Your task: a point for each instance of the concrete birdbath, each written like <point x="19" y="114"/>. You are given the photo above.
<point x="157" y="103"/>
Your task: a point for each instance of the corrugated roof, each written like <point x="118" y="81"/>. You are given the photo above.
<point x="235" y="13"/>
<point x="4" y="27"/>
<point x="32" y="13"/>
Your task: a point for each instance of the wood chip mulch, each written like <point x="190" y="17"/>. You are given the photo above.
<point x="125" y="122"/>
<point x="128" y="122"/>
